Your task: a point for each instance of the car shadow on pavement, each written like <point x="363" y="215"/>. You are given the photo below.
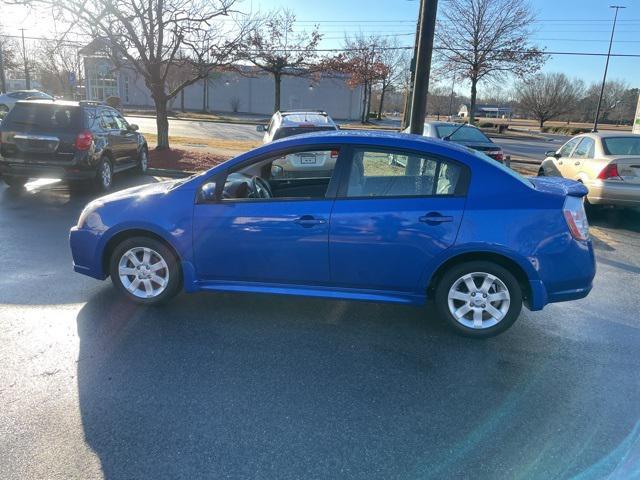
<point x="257" y="386"/>
<point x="36" y="260"/>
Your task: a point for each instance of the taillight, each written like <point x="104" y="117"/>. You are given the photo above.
<point x="84" y="140"/>
<point x="334" y="153"/>
<point x="499" y="155"/>
<point x="576" y="218"/>
<point x="610" y="171"/>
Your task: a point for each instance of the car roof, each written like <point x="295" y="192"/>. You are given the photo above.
<point x="366" y="137"/>
<point x="448" y="124"/>
<point x="292" y="119"/>
<point x="607" y="134"/>
<point x="45" y="101"/>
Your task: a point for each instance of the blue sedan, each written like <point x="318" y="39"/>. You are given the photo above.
<point x="440" y="222"/>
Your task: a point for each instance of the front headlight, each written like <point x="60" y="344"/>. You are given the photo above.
<point x="88" y="210"/>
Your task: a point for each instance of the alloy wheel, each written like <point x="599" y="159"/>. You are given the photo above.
<point x="478" y="300"/>
<point x="143" y="272"/>
<point x="105" y="175"/>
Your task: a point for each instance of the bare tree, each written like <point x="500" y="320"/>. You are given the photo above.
<point x="57" y="64"/>
<point x="276" y="49"/>
<point x="485" y="38"/>
<point x="146" y="35"/>
<point x="548" y="96"/>
<point x="8" y="59"/>
<point x="396" y="60"/>
<point x="362" y="61"/>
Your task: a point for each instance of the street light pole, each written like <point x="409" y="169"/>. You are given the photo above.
<point x="428" y="9"/>
<point x="606" y="66"/>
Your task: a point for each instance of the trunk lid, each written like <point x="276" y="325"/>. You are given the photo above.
<point x="628" y="168"/>
<point x="559" y="186"/>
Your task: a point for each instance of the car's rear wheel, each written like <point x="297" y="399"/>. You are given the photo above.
<point x="15" y="182"/>
<point x="145" y="270"/>
<point x="104" y="175"/>
<point x="479" y="299"/>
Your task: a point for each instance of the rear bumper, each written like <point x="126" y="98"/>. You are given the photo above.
<point x="612" y="192"/>
<point x="32" y="170"/>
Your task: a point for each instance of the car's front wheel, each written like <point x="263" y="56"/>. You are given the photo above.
<point x="145" y="270"/>
<point x="479" y="299"/>
<point x="143" y="160"/>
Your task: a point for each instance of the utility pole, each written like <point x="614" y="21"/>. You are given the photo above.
<point x="606" y="66"/>
<point x="27" y="77"/>
<point x="412" y="70"/>
<point x="428" y="9"/>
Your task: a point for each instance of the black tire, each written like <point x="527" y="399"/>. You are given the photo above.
<point x="143" y="160"/>
<point x="174" y="272"/>
<point x="507" y="280"/>
<point x="102" y="183"/>
<point x="541" y="172"/>
<point x="15" y="182"/>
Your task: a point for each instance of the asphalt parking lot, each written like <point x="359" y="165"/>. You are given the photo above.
<point x="251" y="386"/>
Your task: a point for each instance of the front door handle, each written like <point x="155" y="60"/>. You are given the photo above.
<point x="434" y="218"/>
<point x="307" y="221"/>
<point x="577" y="163"/>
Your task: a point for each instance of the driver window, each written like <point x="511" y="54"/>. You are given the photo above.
<point x="299" y="175"/>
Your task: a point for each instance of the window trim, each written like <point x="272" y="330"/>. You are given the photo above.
<point x="577" y="140"/>
<point x="463" y="182"/>
<point x="591" y="149"/>
<point x="221" y="177"/>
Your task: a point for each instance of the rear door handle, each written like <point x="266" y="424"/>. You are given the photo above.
<point x="435" y="218"/>
<point x="307" y="221"/>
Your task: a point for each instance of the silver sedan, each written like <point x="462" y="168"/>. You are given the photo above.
<point x="608" y="163"/>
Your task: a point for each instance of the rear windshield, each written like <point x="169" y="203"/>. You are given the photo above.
<point x="290" y="131"/>
<point x="621" y="145"/>
<point x="465" y="134"/>
<point x="43" y="117"/>
<point x="310" y="118"/>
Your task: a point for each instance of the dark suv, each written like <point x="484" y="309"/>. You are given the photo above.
<point x="74" y="141"/>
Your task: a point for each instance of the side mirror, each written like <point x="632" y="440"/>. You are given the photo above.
<point x="552" y="153"/>
<point x="277" y="171"/>
<point x="337" y="127"/>
<point x="133" y="127"/>
<point x="261" y="128"/>
<point x="208" y="192"/>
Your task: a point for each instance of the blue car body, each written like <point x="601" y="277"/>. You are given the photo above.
<point x="378" y="249"/>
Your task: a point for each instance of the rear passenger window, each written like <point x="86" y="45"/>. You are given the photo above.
<point x="385" y="174"/>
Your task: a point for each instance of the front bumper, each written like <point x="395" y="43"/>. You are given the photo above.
<point x="36" y="170"/>
<point x="84" y="248"/>
<point x="613" y="192"/>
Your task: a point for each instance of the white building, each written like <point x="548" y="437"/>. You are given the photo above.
<point x="251" y="92"/>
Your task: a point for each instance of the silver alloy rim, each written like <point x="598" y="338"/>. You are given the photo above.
<point x="143" y="160"/>
<point x="479" y="300"/>
<point x="105" y="173"/>
<point x="143" y="272"/>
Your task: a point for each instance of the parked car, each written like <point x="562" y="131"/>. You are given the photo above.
<point x="75" y="141"/>
<point x="466" y="135"/>
<point x="437" y="228"/>
<point x="8" y="100"/>
<point x="607" y="163"/>
<point x="286" y="124"/>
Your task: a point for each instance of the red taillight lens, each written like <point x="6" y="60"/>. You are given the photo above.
<point x="610" y="171"/>
<point x="498" y="155"/>
<point x="334" y="153"/>
<point x="576" y="218"/>
<point x="84" y="140"/>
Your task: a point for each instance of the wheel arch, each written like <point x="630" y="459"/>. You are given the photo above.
<point x="122" y="235"/>
<point x="500" y="259"/>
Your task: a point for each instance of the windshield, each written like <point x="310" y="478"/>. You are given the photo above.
<point x="464" y="134"/>
<point x="622" y="145"/>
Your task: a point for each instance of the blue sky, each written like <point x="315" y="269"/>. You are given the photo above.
<point x="563" y="25"/>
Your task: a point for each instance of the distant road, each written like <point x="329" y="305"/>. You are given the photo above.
<point x="198" y="129"/>
<point x="530" y="149"/>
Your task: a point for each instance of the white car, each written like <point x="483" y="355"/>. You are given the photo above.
<point x="8" y="100"/>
